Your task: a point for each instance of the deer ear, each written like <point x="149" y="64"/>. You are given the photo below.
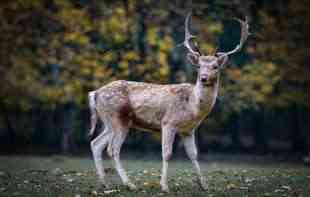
<point x="222" y="60"/>
<point x="192" y="58"/>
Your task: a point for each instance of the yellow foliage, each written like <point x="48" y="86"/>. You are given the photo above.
<point x="118" y="37"/>
<point x="69" y="88"/>
<point x="207" y="48"/>
<point x="82" y="40"/>
<point x="76" y="37"/>
<point x="131" y="56"/>
<point x="140" y="68"/>
<point x="53" y="93"/>
<point x="234" y="74"/>
<point x="163" y="71"/>
<point x="131" y="5"/>
<point x="119" y="11"/>
<point x="108" y="56"/>
<point x="123" y="65"/>
<point x="162" y="58"/>
<point x="125" y="73"/>
<point x="86" y="71"/>
<point x="30" y="3"/>
<point x="62" y="3"/>
<point x="70" y="36"/>
<point x="165" y="44"/>
<point x="115" y="24"/>
<point x="266" y="89"/>
<point x="151" y="36"/>
<point x="259" y="98"/>
<point x="101" y="72"/>
<point x="156" y="136"/>
<point x="213" y="28"/>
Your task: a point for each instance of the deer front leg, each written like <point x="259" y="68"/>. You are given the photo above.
<point x="191" y="150"/>
<point x="168" y="135"/>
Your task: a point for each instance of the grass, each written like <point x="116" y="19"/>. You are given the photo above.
<point x="73" y="176"/>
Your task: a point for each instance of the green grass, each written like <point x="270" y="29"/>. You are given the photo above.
<point x="72" y="176"/>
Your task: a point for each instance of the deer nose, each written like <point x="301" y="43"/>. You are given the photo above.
<point x="204" y="78"/>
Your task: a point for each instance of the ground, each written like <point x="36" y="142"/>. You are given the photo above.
<point x="75" y="176"/>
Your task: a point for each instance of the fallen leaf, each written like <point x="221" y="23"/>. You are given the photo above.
<point x="231" y="186"/>
<point x="278" y="190"/>
<point x="94" y="193"/>
<point x="110" y="191"/>
<point x="249" y="180"/>
<point x="155" y="174"/>
<point x="109" y="170"/>
<point x="286" y="187"/>
<point x="56" y="171"/>
<point x="2" y="173"/>
<point x="151" y="184"/>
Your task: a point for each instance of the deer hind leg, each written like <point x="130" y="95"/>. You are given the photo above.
<point x="97" y="146"/>
<point x="120" y="131"/>
<point x="191" y="150"/>
<point x="168" y="135"/>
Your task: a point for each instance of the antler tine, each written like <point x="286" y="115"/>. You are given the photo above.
<point x="244" y="35"/>
<point x="189" y="36"/>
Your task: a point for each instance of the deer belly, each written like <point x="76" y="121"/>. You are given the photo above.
<point x="186" y="127"/>
<point x="186" y="124"/>
<point x="147" y="119"/>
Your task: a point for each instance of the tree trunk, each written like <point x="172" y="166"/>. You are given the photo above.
<point x="298" y="140"/>
<point x="9" y="126"/>
<point x="68" y="126"/>
<point x="235" y="131"/>
<point x="260" y="135"/>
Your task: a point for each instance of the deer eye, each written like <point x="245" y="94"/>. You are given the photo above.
<point x="215" y="66"/>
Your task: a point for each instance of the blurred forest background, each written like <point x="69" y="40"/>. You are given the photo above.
<point x="52" y="52"/>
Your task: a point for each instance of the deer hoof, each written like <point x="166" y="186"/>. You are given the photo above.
<point x="101" y="180"/>
<point x="203" y="185"/>
<point x="104" y="183"/>
<point x="131" y="186"/>
<point x="164" y="188"/>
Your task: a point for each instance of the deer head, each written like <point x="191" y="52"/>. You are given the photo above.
<point x="210" y="65"/>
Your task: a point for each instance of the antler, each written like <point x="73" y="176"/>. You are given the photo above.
<point x="244" y="35"/>
<point x="188" y="37"/>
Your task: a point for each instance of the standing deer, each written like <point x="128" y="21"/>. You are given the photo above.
<point x="171" y="109"/>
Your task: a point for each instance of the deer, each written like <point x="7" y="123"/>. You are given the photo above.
<point x="170" y="109"/>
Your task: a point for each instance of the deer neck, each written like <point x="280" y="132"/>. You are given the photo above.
<point x="204" y="97"/>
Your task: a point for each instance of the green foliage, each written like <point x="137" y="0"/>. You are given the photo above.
<point x="53" y="52"/>
<point x="282" y="40"/>
<point x="52" y="57"/>
<point x="250" y="86"/>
